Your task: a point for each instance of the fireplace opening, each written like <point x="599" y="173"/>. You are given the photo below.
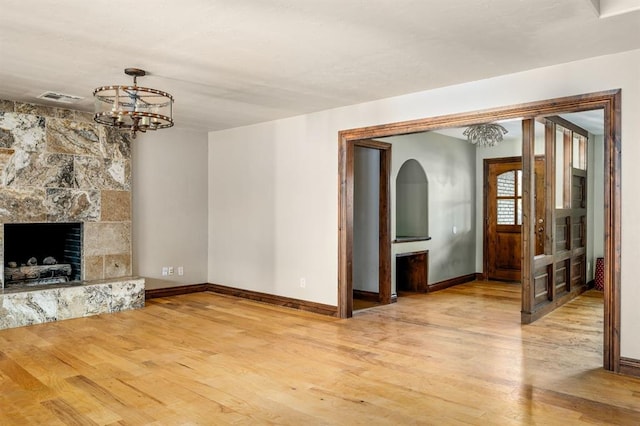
<point x="42" y="253"/>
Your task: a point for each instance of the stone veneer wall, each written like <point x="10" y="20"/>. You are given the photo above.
<point x="58" y="165"/>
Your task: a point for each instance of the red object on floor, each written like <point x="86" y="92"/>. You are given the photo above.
<point x="599" y="284"/>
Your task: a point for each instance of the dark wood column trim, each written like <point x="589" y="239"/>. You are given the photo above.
<point x="550" y="194"/>
<point x="347" y="156"/>
<point x="612" y="213"/>
<point x="528" y="217"/>
<point x="345" y="221"/>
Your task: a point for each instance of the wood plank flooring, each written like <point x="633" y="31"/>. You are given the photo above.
<point x="455" y="357"/>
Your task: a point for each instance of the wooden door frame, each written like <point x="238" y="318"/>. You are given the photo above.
<point x="609" y="101"/>
<point x="345" y="307"/>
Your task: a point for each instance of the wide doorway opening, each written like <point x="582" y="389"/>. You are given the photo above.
<point x="608" y="103"/>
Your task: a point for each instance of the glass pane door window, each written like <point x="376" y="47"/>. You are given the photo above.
<point x="509" y="198"/>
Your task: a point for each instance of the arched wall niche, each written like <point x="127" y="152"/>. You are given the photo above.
<point x="412" y="201"/>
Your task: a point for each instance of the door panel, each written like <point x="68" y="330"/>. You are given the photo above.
<point x="558" y="271"/>
<point x="503" y="217"/>
<point x="541" y="283"/>
<point x="508" y="249"/>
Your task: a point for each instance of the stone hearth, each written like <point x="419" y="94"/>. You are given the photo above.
<point x="65" y="301"/>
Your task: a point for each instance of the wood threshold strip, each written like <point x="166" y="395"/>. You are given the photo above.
<point x="272" y="299"/>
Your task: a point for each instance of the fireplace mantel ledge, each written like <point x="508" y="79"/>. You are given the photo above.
<point x="39" y="304"/>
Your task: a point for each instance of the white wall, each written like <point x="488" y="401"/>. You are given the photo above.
<point x="449" y="164"/>
<point x="366" y="219"/>
<point x="170" y="225"/>
<point x="273" y="190"/>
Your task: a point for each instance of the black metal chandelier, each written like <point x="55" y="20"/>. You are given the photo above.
<point x="133" y="108"/>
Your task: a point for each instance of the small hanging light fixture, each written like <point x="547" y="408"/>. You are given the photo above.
<point x="485" y="135"/>
<point x="133" y="108"/>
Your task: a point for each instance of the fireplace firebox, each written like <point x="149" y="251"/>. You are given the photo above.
<point x="42" y="253"/>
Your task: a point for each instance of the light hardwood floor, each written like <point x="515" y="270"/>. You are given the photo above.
<point x="459" y="356"/>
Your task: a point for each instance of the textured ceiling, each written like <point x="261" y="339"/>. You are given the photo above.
<point x="232" y="63"/>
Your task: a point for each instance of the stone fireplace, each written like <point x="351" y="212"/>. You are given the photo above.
<point x="62" y="176"/>
<point x="42" y="253"/>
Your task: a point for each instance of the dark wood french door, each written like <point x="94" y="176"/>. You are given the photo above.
<point x="559" y="260"/>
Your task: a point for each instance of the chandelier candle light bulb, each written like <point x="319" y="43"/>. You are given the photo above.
<point x="116" y="103"/>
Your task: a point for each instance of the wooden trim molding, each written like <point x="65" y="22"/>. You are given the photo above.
<point x="272" y="299"/>
<point x="630" y="366"/>
<point x="441" y="285"/>
<point x="346" y="154"/>
<point x="154" y="293"/>
<point x="568" y="125"/>
<point x="369" y="296"/>
<point x="567" y="104"/>
<point x="609" y="101"/>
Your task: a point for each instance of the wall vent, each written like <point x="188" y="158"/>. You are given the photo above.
<point x="60" y="97"/>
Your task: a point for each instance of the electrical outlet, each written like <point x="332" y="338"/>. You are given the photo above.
<point x="170" y="270"/>
<point x="180" y="270"/>
<point x="165" y="271"/>
<point x="303" y="282"/>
